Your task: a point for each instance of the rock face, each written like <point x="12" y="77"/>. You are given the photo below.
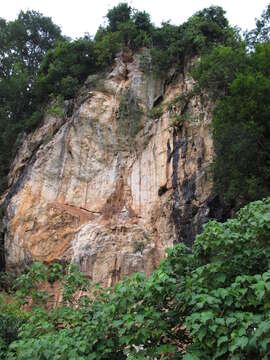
<point x="108" y="186"/>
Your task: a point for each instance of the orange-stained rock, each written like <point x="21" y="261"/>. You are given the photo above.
<point x="90" y="189"/>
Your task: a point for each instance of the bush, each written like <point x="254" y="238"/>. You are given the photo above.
<point x="216" y="70"/>
<point x="118" y="15"/>
<point x="33" y="121"/>
<point x="174" y="45"/>
<point x="156" y="112"/>
<point x="138" y="247"/>
<point x="228" y="292"/>
<point x="129" y="117"/>
<point x="238" y="82"/>
<point x="11" y="318"/>
<point x="212" y="303"/>
<point x="64" y="68"/>
<point x="56" y="106"/>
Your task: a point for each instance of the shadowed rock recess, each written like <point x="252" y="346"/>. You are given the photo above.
<point x="110" y="185"/>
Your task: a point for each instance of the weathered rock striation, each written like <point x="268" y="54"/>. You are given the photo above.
<point x="107" y="185"/>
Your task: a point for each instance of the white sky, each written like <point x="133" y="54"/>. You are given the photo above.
<point x="80" y="16"/>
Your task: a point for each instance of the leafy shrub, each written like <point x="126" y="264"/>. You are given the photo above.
<point x="173" y="45"/>
<point x="118" y="15"/>
<point x="156" y="112"/>
<point x="56" y="106"/>
<point x="227" y="292"/>
<point x="178" y="108"/>
<point x="11" y="318"/>
<point x="33" y="121"/>
<point x="72" y="281"/>
<point x="238" y="81"/>
<point x="64" y="68"/>
<point x="129" y="116"/>
<point x="28" y="285"/>
<point x="176" y="121"/>
<point x="216" y="70"/>
<point x="138" y="246"/>
<point x="209" y="303"/>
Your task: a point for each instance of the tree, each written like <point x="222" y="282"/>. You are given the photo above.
<point x="142" y="21"/>
<point x="216" y="70"/>
<point x="237" y="79"/>
<point x="241" y="127"/>
<point x="117" y="15"/>
<point x="65" y="67"/>
<point x="262" y="31"/>
<point x="23" y="43"/>
<point x="241" y="138"/>
<point x="26" y="40"/>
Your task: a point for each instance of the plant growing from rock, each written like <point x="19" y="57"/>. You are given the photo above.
<point x="129" y="117"/>
<point x="138" y="246"/>
<point x="156" y="112"/>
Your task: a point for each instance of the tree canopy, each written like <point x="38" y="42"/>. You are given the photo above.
<point x="23" y="44"/>
<point x="237" y="79"/>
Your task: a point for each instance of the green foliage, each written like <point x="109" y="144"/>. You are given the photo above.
<point x="73" y="281"/>
<point x="33" y="120"/>
<point x="237" y="79"/>
<point x="138" y="246"/>
<point x="156" y="112"/>
<point x="178" y="108"/>
<point x="118" y="15"/>
<point x="23" y="43"/>
<point x="107" y="45"/>
<point x="56" y="106"/>
<point x="227" y="292"/>
<point x="129" y="117"/>
<point x="241" y="134"/>
<point x="262" y="31"/>
<point x="29" y="284"/>
<point x="26" y="285"/>
<point x="127" y="28"/>
<point x="64" y="68"/>
<point x="176" y="121"/>
<point x="214" y="302"/>
<point x="142" y="21"/>
<point x="216" y="70"/>
<point x="11" y="318"/>
<point x="173" y="45"/>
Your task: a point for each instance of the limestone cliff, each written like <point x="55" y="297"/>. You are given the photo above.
<point x="107" y="185"/>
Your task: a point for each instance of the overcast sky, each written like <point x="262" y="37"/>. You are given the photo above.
<point x="80" y="16"/>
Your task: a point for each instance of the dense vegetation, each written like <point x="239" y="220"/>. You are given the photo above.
<point x="213" y="301"/>
<point x="23" y="44"/>
<point x="237" y="78"/>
